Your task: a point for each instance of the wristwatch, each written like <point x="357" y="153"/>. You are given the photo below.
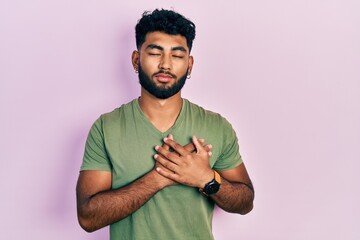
<point x="213" y="186"/>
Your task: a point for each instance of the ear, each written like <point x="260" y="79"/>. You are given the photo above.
<point x="191" y="63"/>
<point x="135" y="58"/>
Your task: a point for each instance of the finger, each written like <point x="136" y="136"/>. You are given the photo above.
<point x="165" y="146"/>
<point x="208" y="147"/>
<point x="168" y="155"/>
<point x="177" y="147"/>
<point x="190" y="147"/>
<point x="169" y="165"/>
<point x="158" y="164"/>
<point x="198" y="146"/>
<point x="167" y="174"/>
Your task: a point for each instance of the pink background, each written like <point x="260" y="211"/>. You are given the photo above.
<point x="286" y="74"/>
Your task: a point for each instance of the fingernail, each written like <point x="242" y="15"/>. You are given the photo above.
<point x="157" y="147"/>
<point x="156" y="156"/>
<point x="165" y="139"/>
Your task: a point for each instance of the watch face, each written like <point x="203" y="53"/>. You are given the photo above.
<point x="212" y="188"/>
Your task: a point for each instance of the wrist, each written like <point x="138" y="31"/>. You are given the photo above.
<point x="160" y="181"/>
<point x="207" y="177"/>
<point x="156" y="179"/>
<point x="213" y="186"/>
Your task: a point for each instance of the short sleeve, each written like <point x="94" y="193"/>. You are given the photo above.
<point x="230" y="155"/>
<point x="95" y="155"/>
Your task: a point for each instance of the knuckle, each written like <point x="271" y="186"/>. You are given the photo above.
<point x="167" y="165"/>
<point x="169" y="155"/>
<point x="174" y="155"/>
<point x="176" y="146"/>
<point x="190" y="147"/>
<point x="188" y="157"/>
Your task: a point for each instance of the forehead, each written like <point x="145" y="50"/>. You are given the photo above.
<point x="165" y="40"/>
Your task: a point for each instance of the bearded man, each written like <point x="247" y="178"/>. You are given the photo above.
<point x="154" y="168"/>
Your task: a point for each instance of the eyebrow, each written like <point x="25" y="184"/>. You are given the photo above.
<point x="179" y="48"/>
<point x="154" y="46"/>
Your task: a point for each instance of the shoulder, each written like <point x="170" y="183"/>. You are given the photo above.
<point x="118" y="112"/>
<point x="207" y="115"/>
<point x="206" y="119"/>
<point x="112" y="118"/>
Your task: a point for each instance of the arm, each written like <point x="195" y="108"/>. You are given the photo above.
<point x="98" y="205"/>
<point x="192" y="169"/>
<point x="236" y="193"/>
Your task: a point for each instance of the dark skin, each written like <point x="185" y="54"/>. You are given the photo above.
<point x="98" y="205"/>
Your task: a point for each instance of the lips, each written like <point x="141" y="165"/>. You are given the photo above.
<point x="164" y="78"/>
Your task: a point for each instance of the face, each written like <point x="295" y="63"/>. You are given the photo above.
<point x="163" y="62"/>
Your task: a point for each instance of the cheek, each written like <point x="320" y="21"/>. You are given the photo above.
<point x="181" y="66"/>
<point x="148" y="65"/>
<point x="184" y="68"/>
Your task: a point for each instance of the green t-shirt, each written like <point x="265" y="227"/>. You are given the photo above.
<point x="123" y="141"/>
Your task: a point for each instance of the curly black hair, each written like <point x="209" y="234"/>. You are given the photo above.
<point x="166" y="21"/>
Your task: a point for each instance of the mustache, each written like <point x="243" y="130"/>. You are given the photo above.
<point x="165" y="72"/>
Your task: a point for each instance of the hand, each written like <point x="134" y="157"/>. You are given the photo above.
<point x="190" y="147"/>
<point x="184" y="166"/>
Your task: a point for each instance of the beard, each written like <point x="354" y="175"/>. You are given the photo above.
<point x="161" y="92"/>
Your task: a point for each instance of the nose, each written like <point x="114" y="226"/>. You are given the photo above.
<point x="165" y="62"/>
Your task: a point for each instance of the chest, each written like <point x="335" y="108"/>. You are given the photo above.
<point x="131" y="147"/>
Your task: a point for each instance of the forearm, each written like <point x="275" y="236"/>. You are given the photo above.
<point x="234" y="197"/>
<point x="111" y="206"/>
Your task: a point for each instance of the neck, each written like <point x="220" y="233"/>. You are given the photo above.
<point x="162" y="113"/>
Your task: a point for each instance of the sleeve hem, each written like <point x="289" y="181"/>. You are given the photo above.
<point x="229" y="167"/>
<point x="98" y="168"/>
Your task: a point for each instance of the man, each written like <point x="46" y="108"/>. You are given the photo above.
<point x="145" y="173"/>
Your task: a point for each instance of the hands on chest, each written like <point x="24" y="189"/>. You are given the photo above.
<point x="187" y="165"/>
